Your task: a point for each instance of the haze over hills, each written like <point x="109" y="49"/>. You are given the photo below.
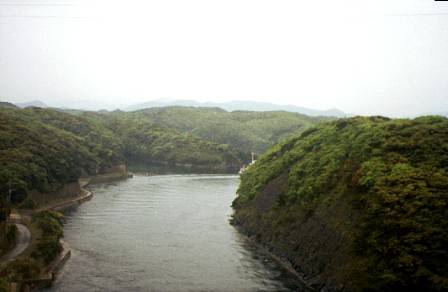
<point x="230" y="106"/>
<point x="7" y="104"/>
<point x="245" y="105"/>
<point x="34" y="103"/>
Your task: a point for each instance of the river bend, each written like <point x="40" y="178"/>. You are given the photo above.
<point x="164" y="233"/>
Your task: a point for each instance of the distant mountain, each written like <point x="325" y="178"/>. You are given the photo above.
<point x="241" y="105"/>
<point x="7" y="104"/>
<point x="34" y="103"/>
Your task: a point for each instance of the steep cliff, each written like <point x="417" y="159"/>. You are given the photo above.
<point x="355" y="204"/>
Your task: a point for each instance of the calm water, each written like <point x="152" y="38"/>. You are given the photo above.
<point x="164" y="233"/>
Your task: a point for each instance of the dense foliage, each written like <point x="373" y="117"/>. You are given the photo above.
<point x="141" y="140"/>
<point x="146" y="141"/>
<point x="44" y="149"/>
<point x="242" y="130"/>
<point x="393" y="177"/>
<point x="46" y="250"/>
<point x="48" y="247"/>
<point x="36" y="155"/>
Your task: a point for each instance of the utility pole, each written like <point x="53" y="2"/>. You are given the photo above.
<point x="253" y="160"/>
<point x="7" y="211"/>
<point x="8" y="198"/>
<point x="5" y="225"/>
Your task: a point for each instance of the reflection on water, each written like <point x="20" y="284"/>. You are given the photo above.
<point x="164" y="233"/>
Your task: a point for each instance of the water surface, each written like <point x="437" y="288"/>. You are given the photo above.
<point x="164" y="233"/>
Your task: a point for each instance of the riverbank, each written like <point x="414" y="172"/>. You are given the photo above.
<point x="48" y="276"/>
<point x="59" y="206"/>
<point x="275" y="255"/>
<point x="24" y="216"/>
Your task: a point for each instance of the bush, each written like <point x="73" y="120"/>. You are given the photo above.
<point x="23" y="268"/>
<point x="51" y="224"/>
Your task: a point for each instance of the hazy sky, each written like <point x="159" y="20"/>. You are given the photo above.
<point x="387" y="57"/>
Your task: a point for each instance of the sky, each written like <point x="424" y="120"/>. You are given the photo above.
<point x="384" y="57"/>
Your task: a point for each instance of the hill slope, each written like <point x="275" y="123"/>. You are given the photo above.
<point x="356" y="204"/>
<point x="240" y="105"/>
<point x="38" y="156"/>
<point x="242" y="130"/>
<point x="44" y="149"/>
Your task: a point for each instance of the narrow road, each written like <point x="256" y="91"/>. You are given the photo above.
<point x="23" y="241"/>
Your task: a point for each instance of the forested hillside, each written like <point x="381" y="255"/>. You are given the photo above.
<point x="242" y="130"/>
<point x="356" y="204"/>
<point x="44" y="149"/>
<point x="38" y="156"/>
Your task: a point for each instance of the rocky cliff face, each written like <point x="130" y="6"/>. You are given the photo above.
<point x="72" y="190"/>
<point x="67" y="191"/>
<point x="317" y="244"/>
<point x="118" y="171"/>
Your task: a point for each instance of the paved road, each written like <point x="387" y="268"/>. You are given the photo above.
<point x="23" y="241"/>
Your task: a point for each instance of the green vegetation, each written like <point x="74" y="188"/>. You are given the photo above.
<point x="140" y="140"/>
<point x="23" y="268"/>
<point x="11" y="236"/>
<point x="44" y="149"/>
<point x="242" y="130"/>
<point x="358" y="202"/>
<point x="48" y="247"/>
<point x="38" y="156"/>
<point x="4" y="284"/>
<point x="46" y="250"/>
<point x="151" y="143"/>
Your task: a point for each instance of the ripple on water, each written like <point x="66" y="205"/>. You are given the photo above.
<point x="164" y="233"/>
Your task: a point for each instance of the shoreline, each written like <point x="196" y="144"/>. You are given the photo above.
<point x="86" y="196"/>
<point x="49" y="274"/>
<point x="267" y="249"/>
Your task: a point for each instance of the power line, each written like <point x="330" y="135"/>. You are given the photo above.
<point x="47" y="16"/>
<point x="39" y="5"/>
<point x="410" y="14"/>
<point x="86" y="5"/>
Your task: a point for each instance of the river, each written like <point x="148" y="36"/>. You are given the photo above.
<point x="164" y="233"/>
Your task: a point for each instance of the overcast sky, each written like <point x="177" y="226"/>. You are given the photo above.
<point x="387" y="57"/>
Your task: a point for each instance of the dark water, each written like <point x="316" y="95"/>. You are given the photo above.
<point x="164" y="233"/>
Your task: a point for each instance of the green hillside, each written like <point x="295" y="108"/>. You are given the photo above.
<point x="44" y="149"/>
<point x="141" y="140"/>
<point x="38" y="156"/>
<point x="242" y="130"/>
<point x="356" y="204"/>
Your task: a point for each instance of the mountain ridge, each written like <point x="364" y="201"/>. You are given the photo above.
<point x="244" y="105"/>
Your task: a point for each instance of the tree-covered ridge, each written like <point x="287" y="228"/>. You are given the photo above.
<point x="242" y="130"/>
<point x="44" y="149"/>
<point x="144" y="140"/>
<point x="140" y="140"/>
<point x="38" y="156"/>
<point x="48" y="148"/>
<point x="376" y="185"/>
<point x="94" y="127"/>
